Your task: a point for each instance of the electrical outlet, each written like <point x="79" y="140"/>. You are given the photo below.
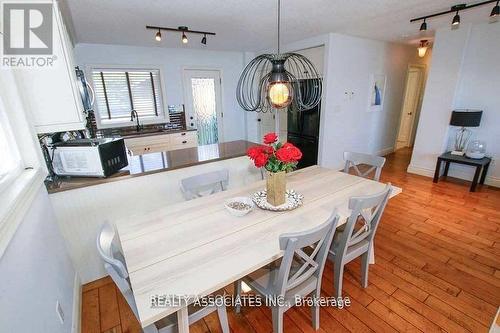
<point x="60" y="312"/>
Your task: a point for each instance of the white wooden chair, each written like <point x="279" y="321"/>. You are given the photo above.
<point x="204" y="184"/>
<point x="107" y="245"/>
<point x="356" y="239"/>
<point x="299" y="273"/>
<point x="354" y="159"/>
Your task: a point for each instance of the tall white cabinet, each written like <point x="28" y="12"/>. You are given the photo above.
<point x="51" y="94"/>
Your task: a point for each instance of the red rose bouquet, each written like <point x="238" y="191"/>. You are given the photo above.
<point x="275" y="156"/>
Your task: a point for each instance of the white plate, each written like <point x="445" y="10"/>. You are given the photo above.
<point x="292" y="200"/>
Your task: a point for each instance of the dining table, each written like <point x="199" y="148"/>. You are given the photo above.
<point x="196" y="247"/>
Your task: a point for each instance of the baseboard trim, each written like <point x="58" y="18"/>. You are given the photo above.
<point x="490" y="180"/>
<point x="385" y="151"/>
<point x="77" y="304"/>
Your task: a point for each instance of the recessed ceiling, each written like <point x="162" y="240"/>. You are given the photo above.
<point x="244" y="25"/>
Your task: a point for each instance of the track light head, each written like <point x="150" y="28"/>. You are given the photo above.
<point x="204" y="40"/>
<point x="184" y="38"/>
<point x="456" y="20"/>
<point x="423" y="26"/>
<point x="158" y="36"/>
<point x="495" y="12"/>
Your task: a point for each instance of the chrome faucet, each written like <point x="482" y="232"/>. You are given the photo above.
<point x="133" y="114"/>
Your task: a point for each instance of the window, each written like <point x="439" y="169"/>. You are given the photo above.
<point x="10" y="165"/>
<point x="119" y="91"/>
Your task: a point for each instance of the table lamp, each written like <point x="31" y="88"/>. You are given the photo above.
<point x="464" y="119"/>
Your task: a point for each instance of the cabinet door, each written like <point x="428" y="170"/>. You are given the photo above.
<point x="51" y="93"/>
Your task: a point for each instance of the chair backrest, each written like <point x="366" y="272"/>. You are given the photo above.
<point x="353" y="159"/>
<point x="205" y="184"/>
<point x="366" y="212"/>
<point x="108" y="248"/>
<point x="320" y="238"/>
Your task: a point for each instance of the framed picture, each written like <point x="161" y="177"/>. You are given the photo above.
<point x="377" y="92"/>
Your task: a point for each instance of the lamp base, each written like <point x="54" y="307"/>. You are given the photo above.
<point x="457" y="152"/>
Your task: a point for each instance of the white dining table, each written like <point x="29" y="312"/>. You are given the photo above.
<point x="197" y="247"/>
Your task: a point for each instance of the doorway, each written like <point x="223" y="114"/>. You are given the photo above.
<point x="202" y="89"/>
<point x="415" y="79"/>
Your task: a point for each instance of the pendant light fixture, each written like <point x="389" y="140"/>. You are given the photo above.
<point x="204" y="40"/>
<point x="274" y="81"/>
<point x="422" y="49"/>
<point x="158" y="36"/>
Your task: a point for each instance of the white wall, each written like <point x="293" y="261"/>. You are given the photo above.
<point x="347" y="123"/>
<point x="35" y="272"/>
<point x="464" y="74"/>
<point x="172" y="62"/>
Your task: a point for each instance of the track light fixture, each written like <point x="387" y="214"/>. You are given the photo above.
<point x="495" y="12"/>
<point x="423" y="26"/>
<point x="184" y="30"/>
<point x="456" y="9"/>
<point x="456" y="20"/>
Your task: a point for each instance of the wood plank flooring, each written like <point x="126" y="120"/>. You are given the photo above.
<point x="437" y="269"/>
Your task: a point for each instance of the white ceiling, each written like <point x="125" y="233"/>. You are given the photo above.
<point x="250" y="25"/>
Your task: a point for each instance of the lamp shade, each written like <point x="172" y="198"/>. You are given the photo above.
<point x="466" y="118"/>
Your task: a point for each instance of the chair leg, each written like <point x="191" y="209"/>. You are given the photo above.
<point x="277" y="314"/>
<point x="315" y="313"/>
<point x="237" y="294"/>
<point x="338" y="272"/>
<point x="365" y="266"/>
<point x="224" y="324"/>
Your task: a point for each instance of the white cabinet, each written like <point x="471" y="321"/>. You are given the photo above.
<point x="161" y="142"/>
<point x="51" y="93"/>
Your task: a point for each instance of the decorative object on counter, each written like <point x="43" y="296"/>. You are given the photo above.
<point x="278" y="159"/>
<point x="463" y="119"/>
<point x="292" y="200"/>
<point x="239" y="206"/>
<point x="183" y="30"/>
<point x="476" y="149"/>
<point x="278" y="77"/>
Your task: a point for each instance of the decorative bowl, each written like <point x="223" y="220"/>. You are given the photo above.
<point x="239" y="206"/>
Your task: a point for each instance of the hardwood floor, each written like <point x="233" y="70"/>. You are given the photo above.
<point x="437" y="269"/>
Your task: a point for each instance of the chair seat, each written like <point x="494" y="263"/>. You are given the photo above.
<point x="261" y="282"/>
<point x="353" y="251"/>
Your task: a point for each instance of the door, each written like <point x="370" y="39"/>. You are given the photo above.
<point x="411" y="101"/>
<point x="202" y="89"/>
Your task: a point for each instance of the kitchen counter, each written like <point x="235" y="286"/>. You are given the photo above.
<point x="146" y="164"/>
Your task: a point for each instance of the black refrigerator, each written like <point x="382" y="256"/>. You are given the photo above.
<point x="303" y="132"/>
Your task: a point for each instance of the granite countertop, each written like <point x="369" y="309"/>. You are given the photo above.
<point x="146" y="164"/>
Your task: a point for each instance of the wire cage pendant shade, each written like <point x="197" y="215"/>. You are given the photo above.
<point x="276" y="81"/>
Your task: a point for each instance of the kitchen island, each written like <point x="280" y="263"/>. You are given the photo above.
<point x="150" y="182"/>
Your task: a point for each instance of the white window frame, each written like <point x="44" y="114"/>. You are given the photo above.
<point x="21" y="187"/>
<point x="162" y="114"/>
